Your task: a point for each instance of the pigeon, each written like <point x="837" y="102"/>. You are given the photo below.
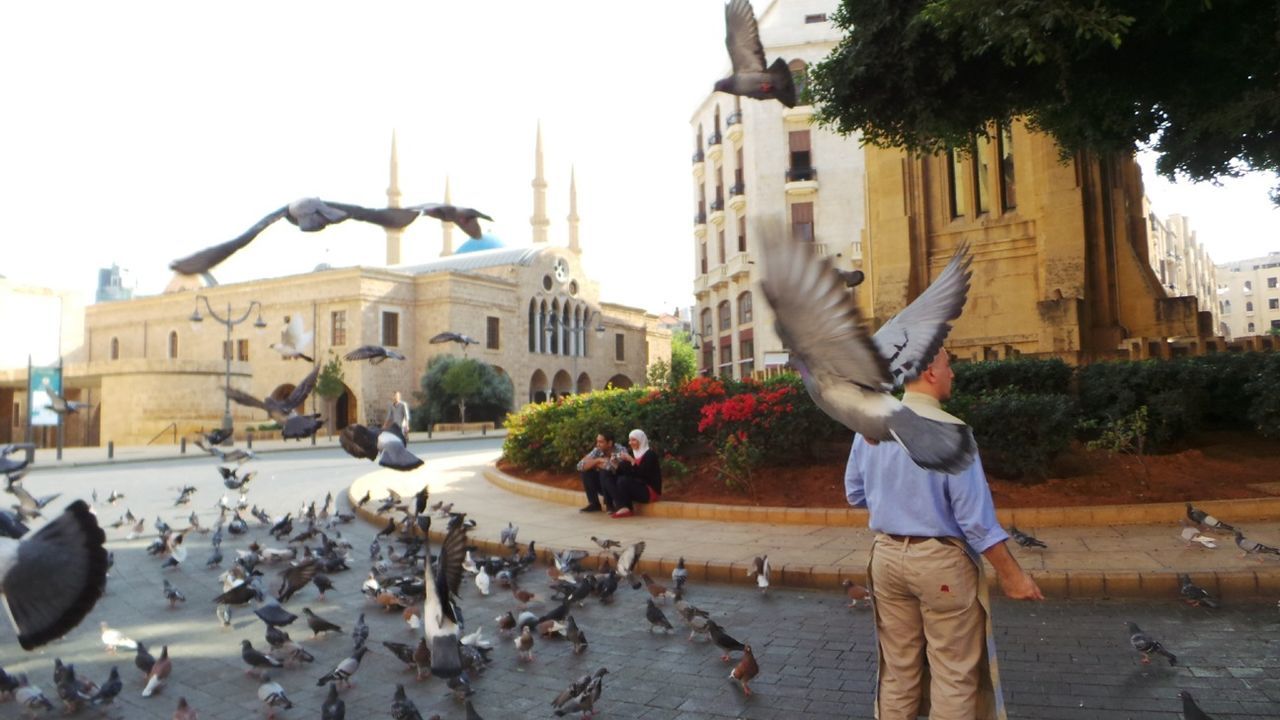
<point x="760" y="571"/>
<point x="30" y="696"/>
<point x="234" y="481"/>
<point x="483" y="580"/>
<point x="467" y="219"/>
<point x="575" y="636"/>
<point x="848" y="372"/>
<point x="1024" y="539"/>
<point x="184" y="711"/>
<point x="656" y="591"/>
<point x="279" y="410"/>
<point x="294" y="339"/>
<point x="345" y="669"/>
<point x="308" y="214"/>
<point x="272" y="613"/>
<point x="12" y="468"/>
<point x="184" y="495"/>
<point x="294" y="578"/>
<point x="402" y="708"/>
<point x="113" y="639"/>
<point x="60" y="404"/>
<point x="1192" y="535"/>
<point x="655" y="616"/>
<point x="507" y="537"/>
<point x="605" y="543"/>
<point x="1190" y="710"/>
<point x="173" y="595"/>
<point x="855" y="592"/>
<point x="223" y="613"/>
<point x="524" y="644"/>
<point x="627" y="562"/>
<point x="143" y="660"/>
<point x="1204" y="519"/>
<point x="318" y="624"/>
<point x="745" y="670"/>
<point x="177" y="553"/>
<point x="1193" y="594"/>
<point x="360" y="633"/>
<point x="1251" y="547"/>
<point x="52" y="579"/>
<point x="11" y="525"/>
<point x="322" y="583"/>
<point x="236" y="455"/>
<point x="679" y="575"/>
<point x="1147" y="645"/>
<point x="375" y="354"/>
<point x="108" y="691"/>
<point x="215" y="559"/>
<point x="271" y="694"/>
<point x="723" y="640"/>
<point x="276" y="637"/>
<point x="159" y="674"/>
<point x="255" y="658"/>
<point x="29" y="506"/>
<point x="447" y="336"/>
<point x="439" y="617"/>
<point x="333" y="708"/>
<point x="385" y="445"/>
<point x="750" y="78"/>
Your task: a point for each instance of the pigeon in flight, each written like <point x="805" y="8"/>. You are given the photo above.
<point x="308" y="214"/>
<point x="467" y="219"/>
<point x="463" y="340"/>
<point x="373" y="353"/>
<point x="283" y="411"/>
<point x="848" y="372"/>
<point x="61" y="405"/>
<point x="386" y="446"/>
<point x="10" y="466"/>
<point x="294" y="339"/>
<point x="440" y="618"/>
<point x="750" y="78"/>
<point x="45" y="604"/>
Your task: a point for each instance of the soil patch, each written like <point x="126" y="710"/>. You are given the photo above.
<point x="1217" y="466"/>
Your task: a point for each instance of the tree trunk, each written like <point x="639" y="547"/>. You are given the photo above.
<point x="462" y="410"/>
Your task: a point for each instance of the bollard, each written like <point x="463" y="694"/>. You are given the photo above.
<point x="313" y="439"/>
<point x="111" y="449"/>
<point x="484" y="429"/>
<point x="249" y="439"/>
<point x="428" y="432"/>
<point x="184" y="446"/>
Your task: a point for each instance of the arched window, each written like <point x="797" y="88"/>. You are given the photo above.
<point x="706" y="324"/>
<point x="744" y="308"/>
<point x="173" y="344"/>
<point x="799" y="76"/>
<point x="115" y="348"/>
<point x="1251" y="328"/>
<point x="533" y="325"/>
<point x="553" y="328"/>
<point x="1248" y="306"/>
<point x="726" y="315"/>
<point x="543" y="340"/>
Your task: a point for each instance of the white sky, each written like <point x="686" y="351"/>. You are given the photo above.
<point x="137" y="132"/>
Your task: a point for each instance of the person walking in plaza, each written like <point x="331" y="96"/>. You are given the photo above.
<point x="937" y="653"/>
<point x="398" y="414"/>
<point x="637" y="478"/>
<point x="596" y="465"/>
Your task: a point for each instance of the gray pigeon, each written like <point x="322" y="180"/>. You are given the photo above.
<point x="447" y="336"/>
<point x="279" y="410"/>
<point x="1024" y="539"/>
<point x="1194" y="594"/>
<point x="1252" y="547"/>
<point x="375" y="354"/>
<point x="385" y="445"/>
<point x="9" y="466"/>
<point x="271" y="613"/>
<point x="1190" y="710"/>
<point x="850" y="373"/>
<point x="750" y="78"/>
<point x="308" y="214"/>
<point x="333" y="708"/>
<point x="61" y="405"/>
<point x="53" y="578"/>
<point x="467" y="219"/>
<point x="656" y="617"/>
<point x="1147" y="645"/>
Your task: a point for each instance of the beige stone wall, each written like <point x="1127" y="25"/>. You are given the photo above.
<point x="1247" y="294"/>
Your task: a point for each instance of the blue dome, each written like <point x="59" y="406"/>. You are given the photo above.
<point x="484" y="242"/>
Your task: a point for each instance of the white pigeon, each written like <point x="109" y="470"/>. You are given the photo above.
<point x="469" y="564"/>
<point x="483" y="580"/>
<point x="113" y="639"/>
<point x="850" y="373"/>
<point x="476" y="639"/>
<point x="760" y="570"/>
<point x="271" y="694"/>
<point x="1191" y="535"/>
<point x="294" y="340"/>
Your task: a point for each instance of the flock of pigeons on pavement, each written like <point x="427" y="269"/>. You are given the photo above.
<point x="849" y="372"/>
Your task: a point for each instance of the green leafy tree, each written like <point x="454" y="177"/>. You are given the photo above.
<point x="1196" y="80"/>
<point x="329" y="384"/>
<point x="462" y="381"/>
<point x="437" y="403"/>
<point x="681" y="368"/>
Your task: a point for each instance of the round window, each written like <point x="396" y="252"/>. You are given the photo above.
<point x="573" y="287"/>
<point x="546" y="282"/>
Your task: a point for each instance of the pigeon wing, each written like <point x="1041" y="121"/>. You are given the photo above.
<point x="243" y="398"/>
<point x="359" y="441"/>
<point x="364" y="352"/>
<point x="386" y="217"/>
<point x="452" y="552"/>
<point x="207" y="259"/>
<point x="742" y="37"/>
<point x="445" y="337"/>
<point x="817" y="317"/>
<point x="912" y="338"/>
<point x="301" y="392"/>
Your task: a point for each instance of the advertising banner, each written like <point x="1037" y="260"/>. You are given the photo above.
<point x="39" y="401"/>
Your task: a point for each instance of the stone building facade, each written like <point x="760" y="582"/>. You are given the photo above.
<point x="1181" y="264"/>
<point x="1249" y="297"/>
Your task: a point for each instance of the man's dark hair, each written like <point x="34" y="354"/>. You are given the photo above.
<point x="607" y="435"/>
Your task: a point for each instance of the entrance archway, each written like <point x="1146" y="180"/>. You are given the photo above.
<point x="562" y="384"/>
<point x="620" y="381"/>
<point x="538" y="387"/>
<point x="584" y="383"/>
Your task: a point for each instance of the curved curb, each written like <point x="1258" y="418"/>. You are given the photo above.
<point x="1041" y="517"/>
<point x="1078" y="584"/>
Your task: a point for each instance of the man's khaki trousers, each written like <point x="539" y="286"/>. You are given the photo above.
<point x="926" y="607"/>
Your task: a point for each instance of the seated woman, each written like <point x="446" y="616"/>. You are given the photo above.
<point x="637" y="478"/>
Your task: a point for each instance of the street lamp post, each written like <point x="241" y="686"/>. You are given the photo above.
<point x="228" y="322"/>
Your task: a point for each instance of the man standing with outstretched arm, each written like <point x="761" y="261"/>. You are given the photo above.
<point x="398" y="414"/>
<point x="927" y="583"/>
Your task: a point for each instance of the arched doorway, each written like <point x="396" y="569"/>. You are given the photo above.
<point x="584" y="383"/>
<point x="538" y="387"/>
<point x="344" y="410"/>
<point x="620" y="381"/>
<point x="562" y="384"/>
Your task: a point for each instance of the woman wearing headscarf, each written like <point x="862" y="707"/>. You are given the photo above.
<point x="638" y="478"/>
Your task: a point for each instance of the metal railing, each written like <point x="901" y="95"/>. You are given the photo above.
<point x="173" y="426"/>
<point x="738" y="189"/>
<point x="734" y="118"/>
<point x="698" y="157"/>
<point x="801" y="174"/>
<point x="715" y="139"/>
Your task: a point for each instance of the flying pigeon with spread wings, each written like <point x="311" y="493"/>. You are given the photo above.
<point x="285" y="411"/>
<point x="294" y="339"/>
<point x="750" y="78"/>
<point x="308" y="214"/>
<point x="849" y="372"/>
<point x="467" y="219"/>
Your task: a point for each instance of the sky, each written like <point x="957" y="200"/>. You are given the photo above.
<point x="138" y="132"/>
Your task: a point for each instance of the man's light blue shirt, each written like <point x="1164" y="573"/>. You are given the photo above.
<point x="905" y="499"/>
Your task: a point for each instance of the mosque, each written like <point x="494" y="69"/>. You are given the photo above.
<point x="151" y="374"/>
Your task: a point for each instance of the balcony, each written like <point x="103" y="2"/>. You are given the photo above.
<point x="818" y="248"/>
<point x="798" y="115"/>
<point x="801" y="181"/>
<point x="739" y="267"/>
<point x="714" y="147"/>
<point x="699" y="165"/>
<point x="700" y="225"/>
<point x="738" y="196"/>
<point x="734" y="129"/>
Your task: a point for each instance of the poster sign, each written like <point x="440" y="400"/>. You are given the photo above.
<point x="39" y="401"/>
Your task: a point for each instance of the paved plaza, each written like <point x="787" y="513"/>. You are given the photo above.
<point x="1059" y="659"/>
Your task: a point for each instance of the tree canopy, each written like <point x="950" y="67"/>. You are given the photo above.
<point x="449" y="380"/>
<point x="682" y="366"/>
<point x="1197" y="81"/>
<point x="329" y="384"/>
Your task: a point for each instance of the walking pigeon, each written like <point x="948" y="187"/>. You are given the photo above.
<point x="848" y="372"/>
<point x="1200" y="517"/>
<point x="1024" y="539"/>
<point x="750" y="78"/>
<point x="1147" y="645"/>
<point x="745" y="670"/>
<point x="1194" y="594"/>
<point x="1190" y="710"/>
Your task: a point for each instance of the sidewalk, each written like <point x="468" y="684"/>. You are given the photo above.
<point x="46" y="458"/>
<point x="1101" y="560"/>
